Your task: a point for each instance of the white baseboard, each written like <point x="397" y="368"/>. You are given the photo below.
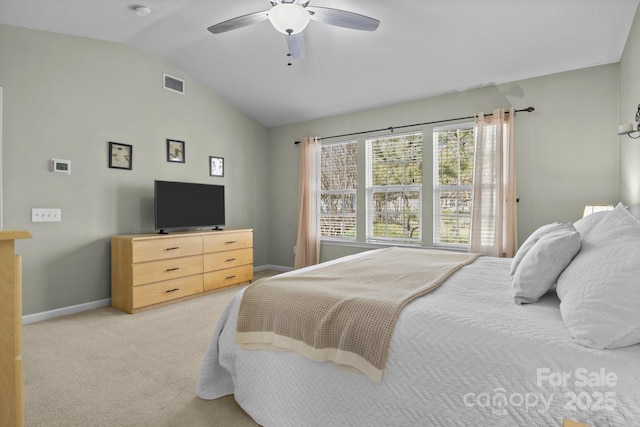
<point x="64" y="311"/>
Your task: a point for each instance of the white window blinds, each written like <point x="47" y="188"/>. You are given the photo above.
<point x="394" y="188"/>
<point x="452" y="185"/>
<point x="339" y="182"/>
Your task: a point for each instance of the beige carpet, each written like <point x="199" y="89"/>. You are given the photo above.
<point x="107" y="368"/>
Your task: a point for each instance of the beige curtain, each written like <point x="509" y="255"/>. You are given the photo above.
<point x="493" y="222"/>
<point x="308" y="239"/>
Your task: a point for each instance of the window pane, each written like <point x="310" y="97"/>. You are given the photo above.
<point x="338" y="215"/>
<point x="379" y="174"/>
<point x="396" y="160"/>
<point x="455" y="156"/>
<point x="455" y="216"/>
<point x="454" y="229"/>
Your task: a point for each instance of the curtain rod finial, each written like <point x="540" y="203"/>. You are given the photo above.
<point x="529" y="109"/>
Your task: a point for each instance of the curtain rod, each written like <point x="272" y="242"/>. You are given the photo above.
<point x="392" y="128"/>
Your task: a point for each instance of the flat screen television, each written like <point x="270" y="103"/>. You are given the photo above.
<point x="185" y="205"/>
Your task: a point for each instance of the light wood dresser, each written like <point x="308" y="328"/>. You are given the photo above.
<point x="153" y="269"/>
<point x="11" y="397"/>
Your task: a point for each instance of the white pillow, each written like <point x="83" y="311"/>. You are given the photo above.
<point x="541" y="266"/>
<point x="586" y="224"/>
<point x="600" y="289"/>
<point x="528" y="244"/>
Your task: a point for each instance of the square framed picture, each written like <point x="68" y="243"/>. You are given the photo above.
<point x="175" y="151"/>
<point x="120" y="156"/>
<point x="216" y="166"/>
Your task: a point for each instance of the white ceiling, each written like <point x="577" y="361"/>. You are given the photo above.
<point x="422" y="48"/>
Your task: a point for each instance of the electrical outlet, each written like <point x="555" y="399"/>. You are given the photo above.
<point x="46" y="215"/>
<point x="294" y="249"/>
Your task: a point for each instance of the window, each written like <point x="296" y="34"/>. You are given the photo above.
<point x="338" y="185"/>
<point x="394" y="188"/>
<point x="452" y="185"/>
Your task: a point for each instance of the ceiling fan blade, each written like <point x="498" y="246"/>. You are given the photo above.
<point x="342" y="18"/>
<point x="296" y="45"/>
<point x="239" y="22"/>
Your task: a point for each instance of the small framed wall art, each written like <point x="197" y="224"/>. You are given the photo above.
<point x="120" y="156"/>
<point x="216" y="166"/>
<point x="175" y="151"/>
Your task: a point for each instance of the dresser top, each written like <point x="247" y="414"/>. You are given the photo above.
<point x="181" y="234"/>
<point x="14" y="234"/>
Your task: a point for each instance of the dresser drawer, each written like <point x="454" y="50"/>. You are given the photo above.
<point x="154" y="271"/>
<point x="165" y="291"/>
<point x="227" y="259"/>
<point x="227" y="277"/>
<point x="154" y="249"/>
<point x="227" y="241"/>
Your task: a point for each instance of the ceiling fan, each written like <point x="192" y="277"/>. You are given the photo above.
<point x="291" y="17"/>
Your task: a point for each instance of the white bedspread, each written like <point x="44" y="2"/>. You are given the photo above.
<point x="463" y="355"/>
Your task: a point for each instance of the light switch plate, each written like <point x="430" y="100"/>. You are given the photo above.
<point x="46" y="215"/>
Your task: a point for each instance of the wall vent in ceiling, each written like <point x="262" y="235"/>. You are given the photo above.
<point x="173" y="84"/>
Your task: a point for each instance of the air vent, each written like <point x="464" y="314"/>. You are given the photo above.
<point x="173" y="84"/>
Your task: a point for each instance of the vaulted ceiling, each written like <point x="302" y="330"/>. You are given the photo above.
<point x="422" y="48"/>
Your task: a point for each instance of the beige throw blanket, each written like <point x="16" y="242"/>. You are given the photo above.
<point x="345" y="311"/>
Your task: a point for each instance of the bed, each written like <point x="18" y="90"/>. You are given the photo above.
<point x="463" y="354"/>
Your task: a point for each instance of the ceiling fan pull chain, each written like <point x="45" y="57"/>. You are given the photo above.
<point x="289" y="54"/>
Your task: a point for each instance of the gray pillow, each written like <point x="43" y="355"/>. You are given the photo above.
<point x="541" y="266"/>
<point x="600" y="290"/>
<point x="528" y="244"/>
<point x="586" y="224"/>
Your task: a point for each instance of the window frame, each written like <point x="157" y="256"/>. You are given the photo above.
<point x="438" y="189"/>
<point x="339" y="191"/>
<point x="371" y="189"/>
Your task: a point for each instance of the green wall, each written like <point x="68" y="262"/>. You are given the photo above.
<point x="567" y="150"/>
<point x="67" y="97"/>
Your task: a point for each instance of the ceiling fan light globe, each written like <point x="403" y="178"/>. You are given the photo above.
<point x="142" y="10"/>
<point x="289" y="18"/>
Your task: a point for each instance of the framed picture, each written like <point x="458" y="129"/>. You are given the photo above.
<point x="120" y="156"/>
<point x="175" y="151"/>
<point x="216" y="166"/>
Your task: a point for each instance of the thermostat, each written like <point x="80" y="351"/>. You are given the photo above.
<point x="61" y="166"/>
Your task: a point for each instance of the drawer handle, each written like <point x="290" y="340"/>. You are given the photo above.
<point x="230" y="259"/>
<point x="230" y="277"/>
<point x="171" y="290"/>
<point x="173" y="248"/>
<point x="231" y="242"/>
<point x="172" y="269"/>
